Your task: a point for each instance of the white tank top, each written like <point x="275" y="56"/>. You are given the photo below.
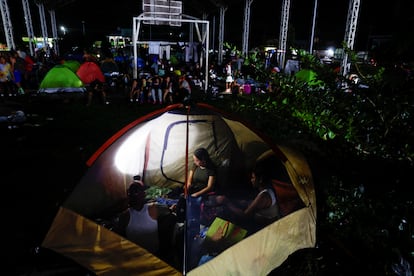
<point x="273" y="211"/>
<point x="142" y="229"/>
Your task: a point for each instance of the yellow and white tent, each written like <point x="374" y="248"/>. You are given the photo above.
<point x="159" y="147"/>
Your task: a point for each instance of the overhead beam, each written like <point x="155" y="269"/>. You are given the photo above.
<point x="350" y="31"/>
<point x="246" y="26"/>
<point x="8" y="29"/>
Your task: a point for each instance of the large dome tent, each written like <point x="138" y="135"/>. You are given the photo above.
<point x="159" y="147"/>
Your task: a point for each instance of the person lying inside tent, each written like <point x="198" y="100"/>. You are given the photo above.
<point x="149" y="225"/>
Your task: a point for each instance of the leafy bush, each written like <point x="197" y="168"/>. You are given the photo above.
<point x="361" y="138"/>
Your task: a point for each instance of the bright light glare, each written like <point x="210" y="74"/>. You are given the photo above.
<point x="145" y="146"/>
<point x="330" y="52"/>
<point x="130" y="157"/>
<point x="63" y="29"/>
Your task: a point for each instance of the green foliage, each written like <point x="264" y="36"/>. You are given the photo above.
<point x="155" y="192"/>
<point x="341" y="120"/>
<point x="370" y="122"/>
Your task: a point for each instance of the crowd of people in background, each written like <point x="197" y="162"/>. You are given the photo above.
<point x="158" y="81"/>
<point x="16" y="73"/>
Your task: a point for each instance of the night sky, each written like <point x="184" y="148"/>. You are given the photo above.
<point x="102" y="19"/>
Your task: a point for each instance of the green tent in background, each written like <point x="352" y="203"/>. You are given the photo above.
<point x="72" y="64"/>
<point x="61" y="79"/>
<point x="309" y="76"/>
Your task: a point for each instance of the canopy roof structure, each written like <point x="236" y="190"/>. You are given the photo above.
<point x="202" y="7"/>
<point x="202" y="35"/>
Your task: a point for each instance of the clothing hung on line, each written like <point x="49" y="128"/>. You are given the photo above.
<point x="142" y="229"/>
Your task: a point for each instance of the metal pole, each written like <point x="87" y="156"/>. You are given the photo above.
<point x="83" y="28"/>
<point x="313" y="27"/>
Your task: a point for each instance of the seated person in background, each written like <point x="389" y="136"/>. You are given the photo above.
<point x="139" y="223"/>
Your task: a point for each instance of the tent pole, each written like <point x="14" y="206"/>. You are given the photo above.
<point x="185" y="189"/>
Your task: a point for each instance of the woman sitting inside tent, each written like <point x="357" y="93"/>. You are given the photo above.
<point x="200" y="182"/>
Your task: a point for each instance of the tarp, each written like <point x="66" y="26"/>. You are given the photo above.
<point x="60" y="79"/>
<point x="89" y="72"/>
<point x="158" y="146"/>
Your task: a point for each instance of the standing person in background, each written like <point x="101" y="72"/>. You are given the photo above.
<point x="108" y="65"/>
<point x="17" y="66"/>
<point x="229" y="76"/>
<point x="110" y="70"/>
<point x="136" y="91"/>
<point x="28" y="76"/>
<point x="156" y="91"/>
<point x="5" y="76"/>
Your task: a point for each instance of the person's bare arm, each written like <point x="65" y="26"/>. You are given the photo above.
<point x="261" y="201"/>
<point x="209" y="187"/>
<point x="189" y="179"/>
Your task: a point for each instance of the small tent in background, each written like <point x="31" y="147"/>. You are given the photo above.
<point x="61" y="79"/>
<point x="89" y="72"/>
<point x="308" y="76"/>
<point x="72" y="64"/>
<point x="159" y="147"/>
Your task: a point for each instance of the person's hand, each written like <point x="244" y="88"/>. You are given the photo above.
<point x="173" y="207"/>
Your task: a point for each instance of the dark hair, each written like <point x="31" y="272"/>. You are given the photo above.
<point x="133" y="191"/>
<point x="262" y="175"/>
<point x="203" y="155"/>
